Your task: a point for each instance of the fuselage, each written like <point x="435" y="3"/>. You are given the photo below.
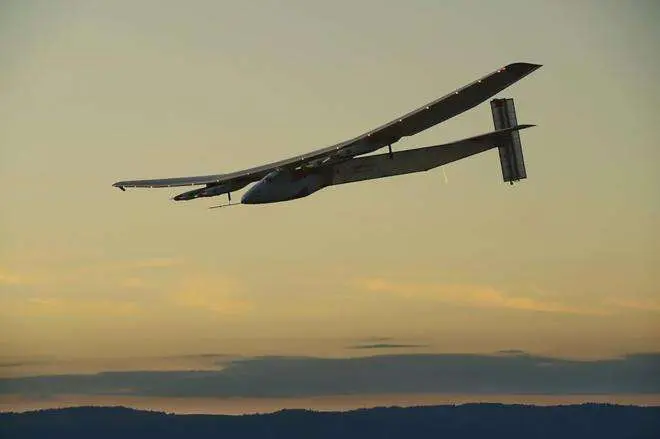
<point x="284" y="185"/>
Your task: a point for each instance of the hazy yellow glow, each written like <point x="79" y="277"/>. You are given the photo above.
<point x="564" y="263"/>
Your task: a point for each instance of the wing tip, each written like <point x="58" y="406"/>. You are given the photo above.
<point x="525" y="66"/>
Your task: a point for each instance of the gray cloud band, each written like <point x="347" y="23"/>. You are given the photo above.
<point x="503" y="373"/>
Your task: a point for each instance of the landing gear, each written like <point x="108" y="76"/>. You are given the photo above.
<point x="391" y="154"/>
<point x="229" y="197"/>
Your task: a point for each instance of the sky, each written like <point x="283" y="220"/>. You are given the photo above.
<point x="92" y="279"/>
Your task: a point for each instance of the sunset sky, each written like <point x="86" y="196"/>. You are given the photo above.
<point x="564" y="264"/>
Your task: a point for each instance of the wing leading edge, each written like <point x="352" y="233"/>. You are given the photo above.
<point x="409" y="124"/>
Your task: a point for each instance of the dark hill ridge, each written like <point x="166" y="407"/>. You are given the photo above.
<point x="463" y="421"/>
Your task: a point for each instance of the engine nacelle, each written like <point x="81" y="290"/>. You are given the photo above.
<point x="284" y="185"/>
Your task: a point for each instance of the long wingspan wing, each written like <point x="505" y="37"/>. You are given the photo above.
<point x="448" y="106"/>
<point x="412" y="123"/>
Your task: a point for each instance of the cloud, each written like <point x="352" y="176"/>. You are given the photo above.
<point x="473" y="295"/>
<point x="7" y="278"/>
<point x="209" y="302"/>
<point x="85" y="307"/>
<point x="216" y="295"/>
<point x="123" y="273"/>
<point x="157" y="263"/>
<point x="134" y="283"/>
<point x="4" y="364"/>
<point x="636" y="304"/>
<point x="12" y="367"/>
<point x="387" y="346"/>
<point x="512" y="352"/>
<point x="123" y="290"/>
<point x="202" y="355"/>
<point x="386" y="374"/>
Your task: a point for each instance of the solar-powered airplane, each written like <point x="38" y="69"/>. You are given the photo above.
<point x="305" y="174"/>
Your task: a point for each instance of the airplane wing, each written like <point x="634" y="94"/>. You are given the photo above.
<point x="409" y="124"/>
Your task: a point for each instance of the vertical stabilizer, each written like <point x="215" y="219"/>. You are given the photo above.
<point x="511" y="155"/>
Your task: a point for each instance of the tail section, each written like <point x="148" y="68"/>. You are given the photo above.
<point x="511" y="154"/>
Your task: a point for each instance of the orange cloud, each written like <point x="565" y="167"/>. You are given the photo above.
<point x="11" y="279"/>
<point x="472" y="295"/>
<point x="59" y="306"/>
<point x="216" y="295"/>
<point x="134" y="282"/>
<point x="157" y="263"/>
<point x="123" y="273"/>
<point x="210" y="302"/>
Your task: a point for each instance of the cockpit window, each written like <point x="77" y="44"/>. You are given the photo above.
<point x="270" y="177"/>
